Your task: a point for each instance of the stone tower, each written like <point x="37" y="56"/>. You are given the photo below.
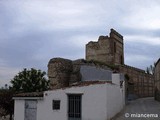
<point x="108" y="50"/>
<point x="63" y="72"/>
<point x="59" y="70"/>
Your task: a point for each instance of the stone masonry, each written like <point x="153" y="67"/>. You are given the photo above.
<point x="140" y="83"/>
<point x="109" y="50"/>
<point x="59" y="72"/>
<point x="63" y="72"/>
<point x="157" y="80"/>
<point x="106" y="53"/>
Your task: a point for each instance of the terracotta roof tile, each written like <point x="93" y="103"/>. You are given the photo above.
<point x="77" y="84"/>
<point x="31" y="94"/>
<point x="87" y="83"/>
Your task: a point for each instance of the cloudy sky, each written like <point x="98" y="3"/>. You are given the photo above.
<point x="34" y="31"/>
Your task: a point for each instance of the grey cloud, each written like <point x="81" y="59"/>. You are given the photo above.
<point x="138" y="31"/>
<point x="32" y="32"/>
<point x="19" y="51"/>
<point x="149" y="51"/>
<point x="140" y="48"/>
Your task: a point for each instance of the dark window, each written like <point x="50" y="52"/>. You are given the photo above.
<point x="121" y="58"/>
<point x="56" y="104"/>
<point x="74" y="104"/>
<point x="114" y="47"/>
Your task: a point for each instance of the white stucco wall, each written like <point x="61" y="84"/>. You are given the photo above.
<point x="19" y="109"/>
<point x="44" y="107"/>
<point x="114" y="100"/>
<point x="93" y="103"/>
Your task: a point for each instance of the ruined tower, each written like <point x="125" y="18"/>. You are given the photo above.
<point x="108" y="50"/>
<point x="63" y="72"/>
<point x="59" y="70"/>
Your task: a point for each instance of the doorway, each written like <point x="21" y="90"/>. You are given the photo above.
<point x="30" y="110"/>
<point x="74" y="107"/>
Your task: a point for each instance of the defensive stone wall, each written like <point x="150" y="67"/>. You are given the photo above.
<point x="157" y="75"/>
<point x="63" y="72"/>
<point x="157" y="80"/>
<point x="108" y="51"/>
<point x="141" y="83"/>
<point x="59" y="71"/>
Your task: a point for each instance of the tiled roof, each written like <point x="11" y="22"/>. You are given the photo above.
<point x="32" y="94"/>
<point x="87" y="83"/>
<point x="77" y="84"/>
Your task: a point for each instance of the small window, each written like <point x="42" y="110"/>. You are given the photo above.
<point x="115" y="47"/>
<point x="121" y="58"/>
<point x="56" y="104"/>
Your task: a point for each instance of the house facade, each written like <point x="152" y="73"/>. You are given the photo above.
<point x="87" y="100"/>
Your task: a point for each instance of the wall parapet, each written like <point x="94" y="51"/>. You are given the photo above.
<point x="115" y="33"/>
<point x="134" y="68"/>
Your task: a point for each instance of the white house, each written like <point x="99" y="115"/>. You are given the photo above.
<point x="86" y="100"/>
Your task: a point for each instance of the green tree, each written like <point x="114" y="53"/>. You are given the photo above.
<point x="30" y="81"/>
<point x="150" y="69"/>
<point x="6" y="102"/>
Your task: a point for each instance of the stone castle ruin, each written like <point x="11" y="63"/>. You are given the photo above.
<point x="108" y="50"/>
<point x="63" y="72"/>
<point x="107" y="54"/>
